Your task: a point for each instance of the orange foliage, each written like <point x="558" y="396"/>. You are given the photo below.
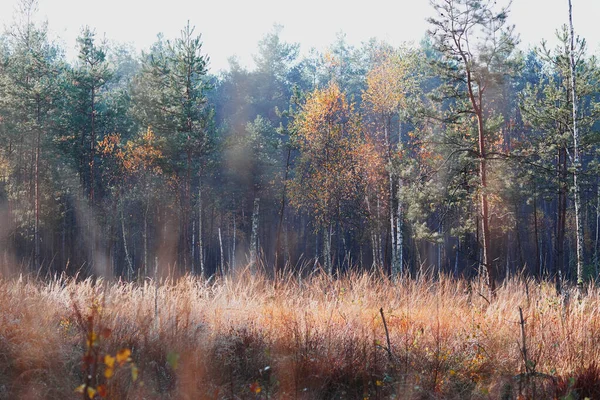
<point x="136" y="156"/>
<point x="143" y="154"/>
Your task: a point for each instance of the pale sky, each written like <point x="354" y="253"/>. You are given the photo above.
<point x="231" y="27"/>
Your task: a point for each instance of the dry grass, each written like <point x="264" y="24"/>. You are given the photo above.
<point x="251" y="337"/>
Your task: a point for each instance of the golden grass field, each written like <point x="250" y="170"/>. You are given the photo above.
<point x="251" y="337"/>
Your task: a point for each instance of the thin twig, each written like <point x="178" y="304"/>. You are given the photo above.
<point x="387" y="335"/>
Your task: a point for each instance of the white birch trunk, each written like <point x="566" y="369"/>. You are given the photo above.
<point x="221" y="250"/>
<point x="392" y="226"/>
<point x="127" y="258"/>
<point x="379" y="234"/>
<point x="399" y="262"/>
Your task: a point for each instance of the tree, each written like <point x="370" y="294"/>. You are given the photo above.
<point x="170" y="98"/>
<point x="389" y="82"/>
<point x="90" y="76"/>
<point x="29" y="90"/>
<point x="326" y="179"/>
<point x="547" y="107"/>
<point x="471" y="67"/>
<point x="136" y="167"/>
<point x="273" y="77"/>
<point x="576" y="160"/>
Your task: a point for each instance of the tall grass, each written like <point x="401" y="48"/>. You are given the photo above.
<point x="314" y="338"/>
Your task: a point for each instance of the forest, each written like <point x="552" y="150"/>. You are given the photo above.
<point x="460" y="170"/>
<point x="456" y="156"/>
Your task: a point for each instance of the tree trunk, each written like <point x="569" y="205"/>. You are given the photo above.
<point x="193" y="248"/>
<point x="222" y="257"/>
<point x="485" y="219"/>
<point x="327" y="249"/>
<point x="232" y="266"/>
<point x="477" y="103"/>
<point x="36" y="233"/>
<point x="439" y="253"/>
<point x="126" y="249"/>
<point x="391" y="197"/>
<point x="577" y="169"/>
<point x="561" y="219"/>
<point x="200" y="242"/>
<point x="374" y="249"/>
<point x="316" y="249"/>
<point x="91" y="227"/>
<point x="537" y="236"/>
<point x="392" y="212"/>
<point x="456" y="258"/>
<point x="508" y="260"/>
<point x="380" y="233"/>
<point x="596" y="255"/>
<point x="185" y="221"/>
<point x="145" y="236"/>
<point x="254" y="236"/>
<point x="399" y="264"/>
<point x="281" y="211"/>
<point x="92" y="146"/>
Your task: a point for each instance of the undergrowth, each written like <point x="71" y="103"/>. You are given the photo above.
<point x="251" y="337"/>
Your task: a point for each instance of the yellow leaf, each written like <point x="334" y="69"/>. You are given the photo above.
<point x="80" y="388"/>
<point x="123" y="355"/>
<point x="91" y="392"/>
<point x="109" y="372"/>
<point x="255" y="388"/>
<point x="134" y="372"/>
<point x="92" y="339"/>
<point x="109" y="361"/>
<point x="379" y="383"/>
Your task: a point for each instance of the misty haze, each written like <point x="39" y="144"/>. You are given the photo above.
<point x="410" y="210"/>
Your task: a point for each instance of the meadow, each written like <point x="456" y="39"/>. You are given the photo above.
<point x="360" y="336"/>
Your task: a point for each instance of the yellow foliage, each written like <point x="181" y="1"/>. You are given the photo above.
<point x="387" y="84"/>
<point x="255" y="388"/>
<point x="123" y="356"/>
<point x="109" y="361"/>
<point x="328" y="134"/>
<point x="92" y="339"/>
<point x="136" y="156"/>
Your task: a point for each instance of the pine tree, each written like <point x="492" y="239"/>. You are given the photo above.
<point x="170" y="98"/>
<point x="28" y="89"/>
<point x="475" y="44"/>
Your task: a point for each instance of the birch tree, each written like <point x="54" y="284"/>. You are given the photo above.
<point x="389" y="83"/>
<point x="326" y="181"/>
